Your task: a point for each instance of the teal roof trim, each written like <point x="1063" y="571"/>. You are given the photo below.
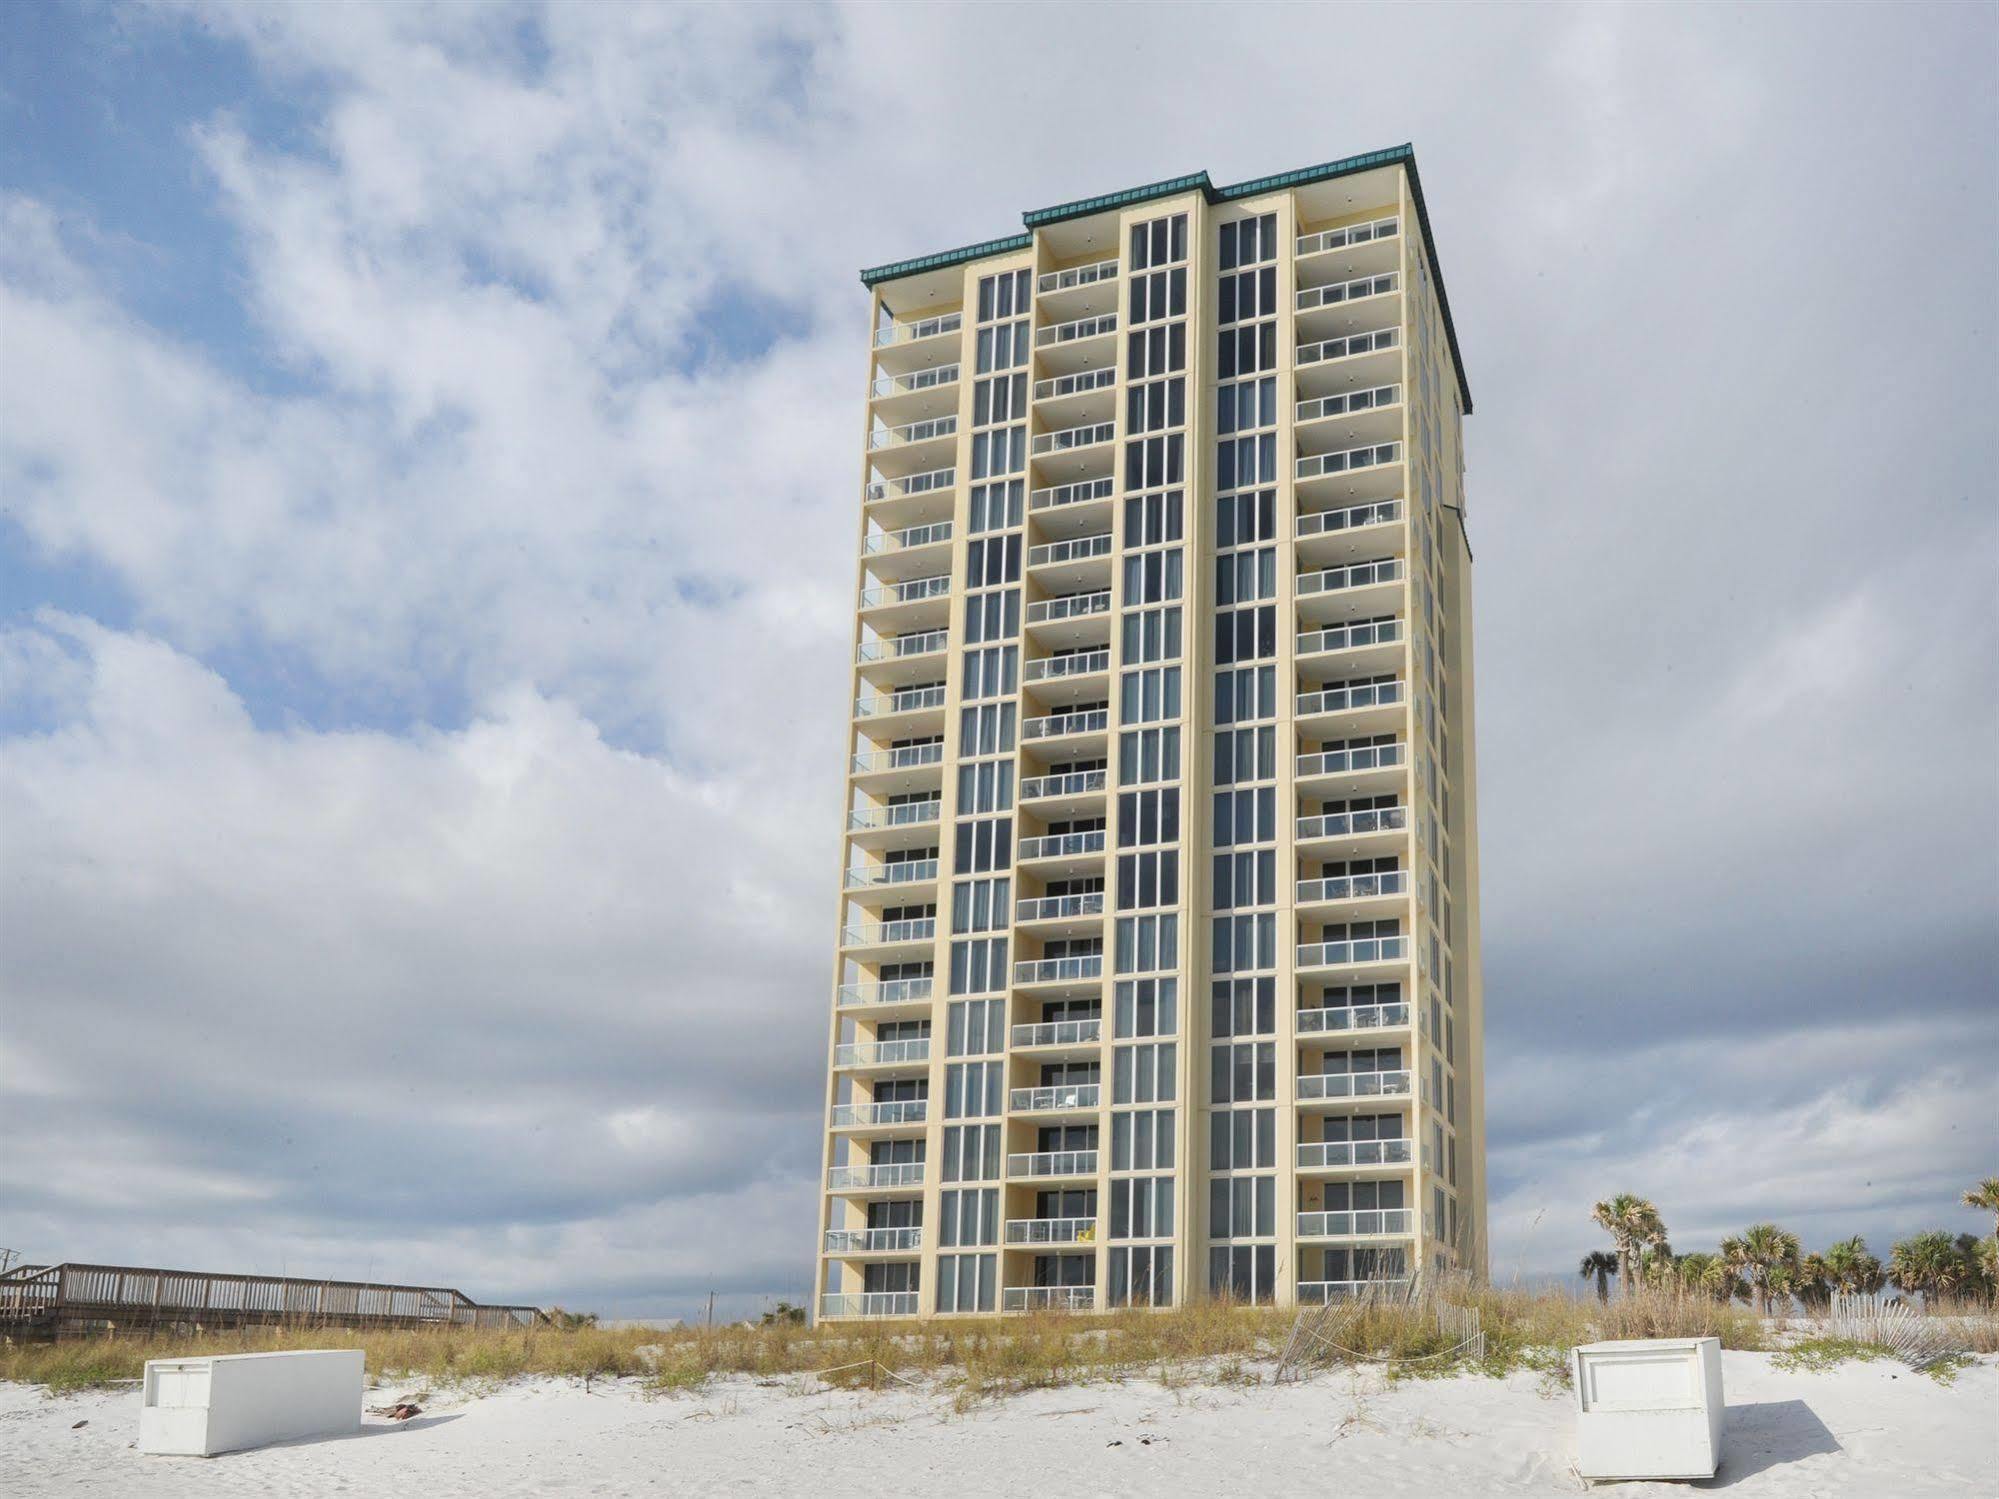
<point x="1403" y="155"/>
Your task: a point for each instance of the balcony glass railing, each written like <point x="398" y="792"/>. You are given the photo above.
<point x="912" y="592"/>
<point x="1352" y="402"/>
<point x="1360" y="757"/>
<point x="1342" y="1018"/>
<point x="881" y="933"/>
<point x="869" y="1304"/>
<point x="1047" y="1298"/>
<point x="1050" y="1230"/>
<point x="896" y="647"/>
<point x="1347" y="824"/>
<point x="899" y="757"/>
<point x="1058" y="907"/>
<point x="1069" y="606"/>
<point x="909" y="432"/>
<point x="882" y="1053"/>
<point x="1318" y="522"/>
<point x="915" y="380"/>
<point x="1081" y="328"/>
<point x="924" y="483"/>
<point x="1354" y="886"/>
<point x="1074" y="437"/>
<point x="1313" y="1085"/>
<point x="900" y="815"/>
<point x="1361" y="1225"/>
<point x="1079" y="493"/>
<point x="1359" y="950"/>
<point x="886" y="704"/>
<point x="1352" y="234"/>
<point x="1080" y="664"/>
<point x="1319" y="1292"/>
<point x="886" y="992"/>
<point x="1053" y="1163"/>
<point x="903" y="872"/>
<point x="1059" y="970"/>
<point x="1068" y="783"/>
<point x="930" y="327"/>
<point x="868" y="1178"/>
<point x="1350" y="637"/>
<point x="1076" y="549"/>
<point x="1318" y="465"/>
<point x="1344" y="348"/>
<point x="1055" y="725"/>
<point x="1079" y="384"/>
<point x="879" y="542"/>
<point x="1353" y="575"/>
<point x="1348" y="291"/>
<point x="873" y="1240"/>
<point x="1062" y="845"/>
<point x="894" y="1111"/>
<point x="1359" y="695"/>
<point x="1079" y="275"/>
<point x="1059" y="1033"/>
<point x="1318" y="1154"/>
<point x="1042" y="1100"/>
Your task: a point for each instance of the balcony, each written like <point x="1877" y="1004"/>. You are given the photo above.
<point x="915" y="991"/>
<point x="1373" y="415"/>
<point x="1070" y="606"/>
<point x="904" y="600"/>
<point x="873" y="1054"/>
<point x="1085" y="968"/>
<point x="1070" y="783"/>
<point x="1352" y="518"/>
<point x="1047" y="1298"/>
<point x="1068" y="678"/>
<point x="1360" y="895"/>
<point x="900" y="815"/>
<point x="1068" y="509"/>
<point x="1354" y="953"/>
<point x="1342" y="1155"/>
<point x="1372" y="472"/>
<point x="913" y="499"/>
<point x="909" y="767"/>
<point x="902" y="554"/>
<point x="1363" y="768"/>
<point x="902" y="660"/>
<point x="925" y="387"/>
<point x="911" y="933"/>
<point x="887" y="1177"/>
<point x="1381" y="824"/>
<point x="1355" y="361"/>
<point x="873" y="1240"/>
<point x="1097" y="382"/>
<point x="1344" y="650"/>
<point x="913" y="446"/>
<point x="1374" y="1223"/>
<point x="1088" y="727"/>
<point x="1050" y="282"/>
<point x="1051" y="1165"/>
<point x="923" y="328"/>
<point x="1080" y="344"/>
<point x="1030" y="909"/>
<point x="1051" y="1231"/>
<point x="1337" y="1087"/>
<point x="1081" y="564"/>
<point x="1341" y="1019"/>
<point x="1071" y="1098"/>
<point x="926" y="343"/>
<point x="1058" y="1033"/>
<point x="895" y="1112"/>
<point x="1061" y="845"/>
<point x="869" y="1304"/>
<point x="1334" y="308"/>
<point x="918" y="709"/>
<point x="907" y="881"/>
<point x="1363" y="707"/>
<point x="1349" y="237"/>
<point x="1320" y="1292"/>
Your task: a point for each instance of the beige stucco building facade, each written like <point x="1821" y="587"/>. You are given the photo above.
<point x="1158" y="937"/>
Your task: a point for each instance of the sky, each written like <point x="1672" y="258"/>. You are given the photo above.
<point x="426" y="517"/>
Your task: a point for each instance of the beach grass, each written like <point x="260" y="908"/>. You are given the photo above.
<point x="1207" y="1343"/>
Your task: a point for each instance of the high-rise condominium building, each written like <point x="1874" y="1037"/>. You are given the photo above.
<point x="1158" y="963"/>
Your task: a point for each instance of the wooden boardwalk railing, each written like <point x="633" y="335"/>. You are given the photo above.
<point x="46" y="1299"/>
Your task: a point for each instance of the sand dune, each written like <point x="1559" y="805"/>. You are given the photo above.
<point x="1863" y="1429"/>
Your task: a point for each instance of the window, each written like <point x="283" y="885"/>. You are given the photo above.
<point x="1245" y="755"/>
<point x="965" y="1282"/>
<point x="1152" y="577"/>
<point x="990" y="561"/>
<point x="1149" y="879"/>
<point x="1148" y="817"/>
<point x="1149" y="694"/>
<point x="1150" y="519"/>
<point x="978" y="966"/>
<point x="986" y="730"/>
<point x="1242" y="1140"/>
<point x="1155" y="351"/>
<point x="1245" y="816"/>
<point x="992" y="616"/>
<point x="1148" y="755"/>
<point x="1141" y="1207"/>
<point x="1001" y="399"/>
<point x="1142" y="1140"/>
<point x="975" y="1027"/>
<point x="1146" y="1007"/>
<point x="1242" y="1207"/>
<point x="968" y="1217"/>
<point x="995" y="507"/>
<point x="1152" y="635"/>
<point x="1159" y="242"/>
<point x="1144" y="1073"/>
<point x="1155" y="462"/>
<point x="1244" y="942"/>
<point x="1141" y="1276"/>
<point x="972" y="1089"/>
<point x="983" y="845"/>
<point x="991" y="672"/>
<point x="1000" y="451"/>
<point x="1243" y="577"/>
<point x="1247" y="241"/>
<point x="1247" y="1272"/>
<point x="1146" y="944"/>
<point x="985" y="787"/>
<point x="1246" y="879"/>
<point x="1246" y="517"/>
<point x="1004" y="295"/>
<point x="1244" y="693"/>
<point x="1244" y="1007"/>
<point x="1246" y="634"/>
<point x="1242" y="1072"/>
<point x="972" y="1152"/>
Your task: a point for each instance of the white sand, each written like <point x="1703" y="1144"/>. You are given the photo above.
<point x="1864" y="1429"/>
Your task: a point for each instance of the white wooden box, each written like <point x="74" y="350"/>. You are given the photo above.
<point x="1648" y="1408"/>
<point x="197" y="1407"/>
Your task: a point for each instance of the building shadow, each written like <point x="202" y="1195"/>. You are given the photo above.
<point x="1767" y="1434"/>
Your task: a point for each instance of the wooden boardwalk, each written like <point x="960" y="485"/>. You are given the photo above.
<point x="47" y="1301"/>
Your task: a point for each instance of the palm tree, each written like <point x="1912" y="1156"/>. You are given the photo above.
<point x="1850" y="1269"/>
<point x="1930" y="1263"/>
<point x="1986" y="1195"/>
<point x="1710" y="1273"/>
<point x="1655" y="1264"/>
<point x="1761" y="1247"/>
<point x="1631" y="1222"/>
<point x="1813" y="1282"/>
<point x="1602" y="1264"/>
